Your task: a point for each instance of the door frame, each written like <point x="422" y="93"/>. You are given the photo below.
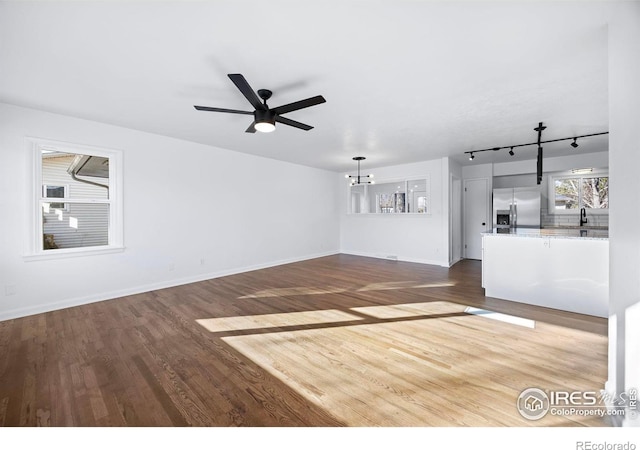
<point x="455" y="209"/>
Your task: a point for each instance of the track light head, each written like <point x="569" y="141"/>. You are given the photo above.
<point x="471" y="156"/>
<point x="511" y="152"/>
<point x="574" y="144"/>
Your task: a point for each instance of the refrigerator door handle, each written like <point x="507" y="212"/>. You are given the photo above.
<point x="515" y="214"/>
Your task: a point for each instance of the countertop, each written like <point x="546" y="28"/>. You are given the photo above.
<point x="552" y="233"/>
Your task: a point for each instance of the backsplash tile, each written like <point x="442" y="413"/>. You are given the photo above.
<point x="573" y="220"/>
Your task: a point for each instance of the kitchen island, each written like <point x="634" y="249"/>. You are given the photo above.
<point x="566" y="269"/>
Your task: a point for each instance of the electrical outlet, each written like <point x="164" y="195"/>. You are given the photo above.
<point x="10" y="289"/>
<point x="202" y="261"/>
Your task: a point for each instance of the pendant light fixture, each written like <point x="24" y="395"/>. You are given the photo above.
<point x="357" y="179"/>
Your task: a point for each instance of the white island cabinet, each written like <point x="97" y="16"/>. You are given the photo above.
<point x="562" y="269"/>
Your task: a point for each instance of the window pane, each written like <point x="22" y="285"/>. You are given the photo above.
<point x="388" y="197"/>
<point x="80" y="225"/>
<point x="417" y="199"/>
<point x="54" y="192"/>
<point x="567" y="193"/>
<point x="85" y="176"/>
<point x="595" y="192"/>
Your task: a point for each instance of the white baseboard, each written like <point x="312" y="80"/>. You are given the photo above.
<point x="47" y="307"/>
<point x="454" y="262"/>
<point x="396" y="258"/>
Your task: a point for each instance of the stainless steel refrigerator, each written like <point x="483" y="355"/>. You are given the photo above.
<point x="521" y="204"/>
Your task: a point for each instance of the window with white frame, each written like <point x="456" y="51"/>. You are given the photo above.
<point x="77" y="202"/>
<point x="570" y="193"/>
<point x="392" y="197"/>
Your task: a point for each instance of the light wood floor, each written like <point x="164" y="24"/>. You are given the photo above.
<point x="335" y="341"/>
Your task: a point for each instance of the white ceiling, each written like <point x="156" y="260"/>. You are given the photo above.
<point x="404" y="80"/>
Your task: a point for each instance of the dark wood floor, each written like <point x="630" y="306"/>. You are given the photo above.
<point x="335" y="341"/>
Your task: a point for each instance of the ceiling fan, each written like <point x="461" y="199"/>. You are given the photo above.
<point x="265" y="117"/>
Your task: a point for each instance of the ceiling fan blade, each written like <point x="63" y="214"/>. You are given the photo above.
<point x="299" y="105"/>
<point x="252" y="128"/>
<point x="209" y="108"/>
<point x="293" y="123"/>
<point x="242" y="84"/>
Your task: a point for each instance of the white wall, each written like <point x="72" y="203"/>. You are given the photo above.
<point x="624" y="161"/>
<point x="407" y="237"/>
<point x="184" y="203"/>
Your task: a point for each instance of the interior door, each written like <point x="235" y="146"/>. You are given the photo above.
<point x="476" y="197"/>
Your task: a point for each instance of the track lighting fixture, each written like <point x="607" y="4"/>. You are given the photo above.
<point x="539" y="143"/>
<point x="539" y="129"/>
<point x="357" y="179"/>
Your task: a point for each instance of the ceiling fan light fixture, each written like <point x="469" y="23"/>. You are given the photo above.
<point x="265" y="127"/>
<point x="265" y="121"/>
<point x="265" y="118"/>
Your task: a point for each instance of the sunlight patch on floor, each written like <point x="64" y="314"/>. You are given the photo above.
<point x="389" y="285"/>
<point x="410" y="310"/>
<point x="219" y="324"/>
<point x="302" y="290"/>
<point x="501" y="317"/>
<point x="432" y="285"/>
<point x="431" y="372"/>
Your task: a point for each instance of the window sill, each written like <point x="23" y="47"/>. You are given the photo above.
<point x="72" y="253"/>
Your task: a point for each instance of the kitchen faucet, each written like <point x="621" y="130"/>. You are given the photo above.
<point x="583" y="216"/>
